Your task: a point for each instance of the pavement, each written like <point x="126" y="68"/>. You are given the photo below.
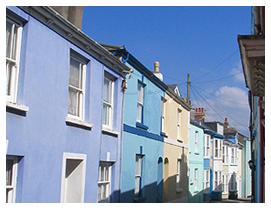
<point x="239" y="200"/>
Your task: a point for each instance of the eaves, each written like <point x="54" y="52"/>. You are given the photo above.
<point x="67" y="30"/>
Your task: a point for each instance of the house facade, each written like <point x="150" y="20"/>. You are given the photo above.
<point x="175" y="129"/>
<point x="64" y="100"/>
<point x="252" y="51"/>
<point x="142" y="143"/>
<point x="196" y="161"/>
<point x="217" y="167"/>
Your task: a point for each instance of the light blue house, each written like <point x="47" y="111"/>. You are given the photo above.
<point x="142" y="146"/>
<point x="196" y="161"/>
<point x="64" y="101"/>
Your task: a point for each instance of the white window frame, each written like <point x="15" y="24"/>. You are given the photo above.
<point x="13" y="77"/>
<point x="179" y="173"/>
<point x="196" y="140"/>
<point x="12" y="187"/>
<point x="110" y="104"/>
<point x="140" y="102"/>
<point x="138" y="175"/>
<point x="225" y="183"/>
<point x="218" y="148"/>
<point x="80" y="103"/>
<point x="196" y="179"/>
<point x="104" y="184"/>
<point x="232" y="156"/>
<point x="207" y="146"/>
<point x="74" y="156"/>
<point x="225" y="155"/>
<point x="179" y="118"/>
<point x="163" y="113"/>
<point x="206" y="181"/>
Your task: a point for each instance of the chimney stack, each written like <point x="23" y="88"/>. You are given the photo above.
<point x="74" y="14"/>
<point x="226" y="123"/>
<point x="156" y="71"/>
<point x="200" y="114"/>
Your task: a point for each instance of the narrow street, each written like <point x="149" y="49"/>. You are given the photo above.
<point x="239" y="200"/>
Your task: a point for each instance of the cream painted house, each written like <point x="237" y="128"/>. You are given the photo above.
<point x="175" y="129"/>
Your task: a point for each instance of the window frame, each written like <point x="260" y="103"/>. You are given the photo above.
<point x="138" y="192"/>
<point x="14" y="75"/>
<point x="12" y="188"/>
<point x="179" y="174"/>
<point x="107" y="183"/>
<point x="207" y="146"/>
<point x="110" y="117"/>
<point x="80" y="100"/>
<point x="163" y="115"/>
<point x="196" y="140"/>
<point x="179" y="121"/>
<point x="140" y="103"/>
<point x="196" y="179"/>
<point x="206" y="181"/>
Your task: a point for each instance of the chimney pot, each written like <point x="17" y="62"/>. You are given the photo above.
<point x="156" y="67"/>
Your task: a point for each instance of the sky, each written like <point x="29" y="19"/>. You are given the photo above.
<point x="200" y="41"/>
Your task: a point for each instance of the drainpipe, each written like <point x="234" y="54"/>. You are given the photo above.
<point x="262" y="143"/>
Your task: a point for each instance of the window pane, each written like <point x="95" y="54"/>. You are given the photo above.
<point x="9" y="67"/>
<point x="140" y="93"/>
<point x="74" y="76"/>
<point x="107" y="91"/>
<point x="102" y="173"/>
<point x="139" y="112"/>
<point x="14" y="43"/>
<point x="105" y="114"/>
<point x="8" y="38"/>
<point x="73" y="100"/>
<point x="99" y="191"/>
<point x="9" y="165"/>
<point x="137" y="185"/>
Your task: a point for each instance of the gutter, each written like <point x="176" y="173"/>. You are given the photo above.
<point x="50" y="18"/>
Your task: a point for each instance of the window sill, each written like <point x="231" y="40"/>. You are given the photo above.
<point x="78" y="123"/>
<point x="180" y="140"/>
<point x="142" y="126"/>
<point x="196" y="153"/>
<point x="109" y="131"/>
<point x="163" y="134"/>
<point x="16" y="108"/>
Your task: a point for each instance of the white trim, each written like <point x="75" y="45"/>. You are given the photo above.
<point x="17" y="106"/>
<point x="15" y="75"/>
<point x="14" y="177"/>
<point x="75" y="121"/>
<point x="105" y="129"/>
<point x="74" y="156"/>
<point x="176" y="143"/>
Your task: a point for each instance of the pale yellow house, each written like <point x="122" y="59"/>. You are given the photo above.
<point x="175" y="128"/>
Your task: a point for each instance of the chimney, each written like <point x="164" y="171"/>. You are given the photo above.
<point x="156" y="71"/>
<point x="73" y="14"/>
<point x="226" y="123"/>
<point x="200" y="114"/>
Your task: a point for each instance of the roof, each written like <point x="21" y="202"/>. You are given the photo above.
<point x="252" y="50"/>
<point x="53" y="20"/>
<point x="120" y="51"/>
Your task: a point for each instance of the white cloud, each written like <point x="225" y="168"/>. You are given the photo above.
<point x="229" y="102"/>
<point x="238" y="73"/>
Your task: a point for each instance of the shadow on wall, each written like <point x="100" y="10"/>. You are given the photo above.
<point x="176" y="187"/>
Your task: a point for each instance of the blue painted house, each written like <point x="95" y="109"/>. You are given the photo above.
<point x="142" y="144"/>
<point x="64" y="101"/>
<point x="196" y="161"/>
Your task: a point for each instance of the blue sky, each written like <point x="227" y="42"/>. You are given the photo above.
<point x="201" y="41"/>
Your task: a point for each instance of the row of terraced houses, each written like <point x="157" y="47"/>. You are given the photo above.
<point x="88" y="122"/>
